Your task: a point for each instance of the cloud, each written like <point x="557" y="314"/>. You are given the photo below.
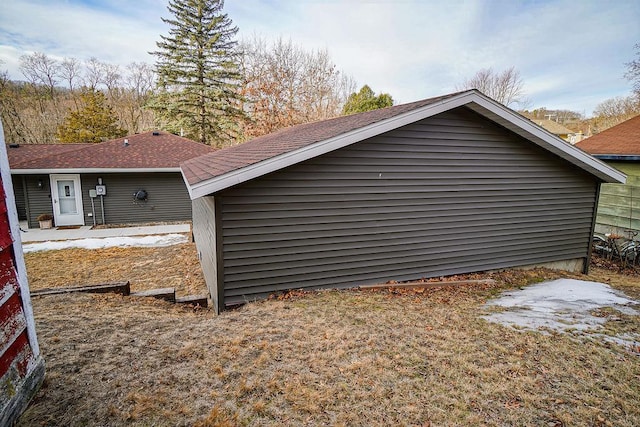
<point x="568" y="52"/>
<point x="68" y="29"/>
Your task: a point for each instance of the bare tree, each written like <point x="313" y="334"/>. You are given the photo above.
<point x="32" y="111"/>
<point x="94" y="73"/>
<point x="112" y="78"/>
<point x="633" y="72"/>
<point x="133" y="94"/>
<point x="615" y="110"/>
<point x="70" y="71"/>
<point x="140" y="78"/>
<point x="284" y="85"/>
<point x="14" y="127"/>
<point x="40" y="70"/>
<point x="506" y="87"/>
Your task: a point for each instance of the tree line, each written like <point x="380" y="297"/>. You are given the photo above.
<point x="209" y="87"/>
<point x="204" y="85"/>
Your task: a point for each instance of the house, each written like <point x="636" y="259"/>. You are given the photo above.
<point x="21" y="364"/>
<point x="135" y="179"/>
<point x="619" y="205"/>
<point x="447" y="185"/>
<point x="559" y="130"/>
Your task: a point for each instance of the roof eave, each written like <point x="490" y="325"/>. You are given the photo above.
<point x="473" y="99"/>
<point x="19" y="171"/>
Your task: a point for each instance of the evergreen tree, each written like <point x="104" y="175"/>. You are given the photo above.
<point x="93" y="122"/>
<point x="366" y="100"/>
<point x="198" y="75"/>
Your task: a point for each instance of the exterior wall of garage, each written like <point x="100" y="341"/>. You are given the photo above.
<point x="450" y="194"/>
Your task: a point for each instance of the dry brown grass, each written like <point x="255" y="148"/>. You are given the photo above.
<point x="388" y="357"/>
<point x="146" y="268"/>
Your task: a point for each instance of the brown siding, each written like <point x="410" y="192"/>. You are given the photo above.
<point x="447" y="195"/>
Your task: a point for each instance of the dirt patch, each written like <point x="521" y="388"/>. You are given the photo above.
<point x="383" y="357"/>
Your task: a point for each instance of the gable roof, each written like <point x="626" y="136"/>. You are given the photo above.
<point x="151" y="151"/>
<point x="553" y="127"/>
<point x="230" y="166"/>
<point x="620" y="140"/>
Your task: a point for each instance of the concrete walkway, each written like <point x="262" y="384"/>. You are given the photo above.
<point x="85" y="232"/>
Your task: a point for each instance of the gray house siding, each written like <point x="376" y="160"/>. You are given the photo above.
<point x="168" y="199"/>
<point x="21" y="201"/>
<point x="37" y="200"/>
<point x="204" y="233"/>
<point x="446" y="195"/>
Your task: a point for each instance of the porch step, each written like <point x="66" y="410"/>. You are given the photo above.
<point x="168" y="294"/>
<point x="201" y="300"/>
<point x="122" y="288"/>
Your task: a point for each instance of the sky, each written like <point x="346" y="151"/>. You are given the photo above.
<point x="571" y="54"/>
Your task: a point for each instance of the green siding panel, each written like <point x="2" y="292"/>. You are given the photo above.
<point x="619" y="204"/>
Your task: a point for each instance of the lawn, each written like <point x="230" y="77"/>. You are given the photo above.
<point x="422" y="357"/>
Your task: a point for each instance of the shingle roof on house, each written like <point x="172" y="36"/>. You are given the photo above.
<point x="230" y="166"/>
<point x="150" y="150"/>
<point x="553" y="127"/>
<point x="622" y="140"/>
<point x="22" y="153"/>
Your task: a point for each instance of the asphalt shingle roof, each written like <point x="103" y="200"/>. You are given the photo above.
<point x="144" y="151"/>
<point x="218" y="163"/>
<point x="622" y="139"/>
<point x="553" y="127"/>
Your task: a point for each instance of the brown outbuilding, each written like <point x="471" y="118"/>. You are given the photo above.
<point x="447" y="185"/>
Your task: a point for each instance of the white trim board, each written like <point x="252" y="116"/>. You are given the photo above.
<point x="473" y="99"/>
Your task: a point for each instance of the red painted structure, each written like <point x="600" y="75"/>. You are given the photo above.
<point x="21" y="367"/>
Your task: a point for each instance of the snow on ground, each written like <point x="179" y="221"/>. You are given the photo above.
<point x="561" y="305"/>
<point x="142" y="241"/>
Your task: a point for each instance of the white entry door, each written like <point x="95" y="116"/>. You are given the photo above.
<point x="66" y="193"/>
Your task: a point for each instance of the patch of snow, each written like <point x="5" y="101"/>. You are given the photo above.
<point x="560" y="305"/>
<point x="155" y="240"/>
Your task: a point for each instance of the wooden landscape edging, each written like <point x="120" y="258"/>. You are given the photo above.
<point x="411" y="285"/>
<point x="124" y="288"/>
<point x="115" y="287"/>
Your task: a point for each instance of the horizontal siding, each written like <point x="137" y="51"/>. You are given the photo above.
<point x="168" y="198"/>
<point x="619" y="204"/>
<point x="204" y="233"/>
<point x="18" y="191"/>
<point x="38" y="199"/>
<point x="447" y="195"/>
